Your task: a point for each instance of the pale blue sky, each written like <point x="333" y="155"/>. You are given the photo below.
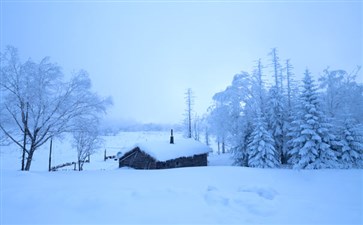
<point x="146" y="54"/>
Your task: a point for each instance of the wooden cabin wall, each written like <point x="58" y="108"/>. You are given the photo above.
<point x="137" y="159"/>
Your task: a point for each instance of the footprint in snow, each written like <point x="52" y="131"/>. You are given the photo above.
<point x="266" y="193"/>
<point x="214" y="197"/>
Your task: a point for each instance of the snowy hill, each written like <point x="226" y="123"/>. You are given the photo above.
<point x="104" y="194"/>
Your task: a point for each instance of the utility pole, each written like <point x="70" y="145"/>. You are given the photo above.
<point x="50" y="154"/>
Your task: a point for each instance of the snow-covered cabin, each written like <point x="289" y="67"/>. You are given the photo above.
<point x="163" y="155"/>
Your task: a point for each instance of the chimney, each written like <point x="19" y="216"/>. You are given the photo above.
<point x="171" y="137"/>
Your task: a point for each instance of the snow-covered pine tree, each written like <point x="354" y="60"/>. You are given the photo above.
<point x="310" y="132"/>
<point x="240" y="154"/>
<point x="351" y="143"/>
<point x="255" y="102"/>
<point x="276" y="119"/>
<point x="261" y="150"/>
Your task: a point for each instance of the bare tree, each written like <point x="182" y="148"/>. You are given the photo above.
<point x="196" y="127"/>
<point x="37" y="105"/>
<point x="276" y="66"/>
<point x="258" y="85"/>
<point x="189" y="100"/>
<point x="289" y="75"/>
<point x="204" y="127"/>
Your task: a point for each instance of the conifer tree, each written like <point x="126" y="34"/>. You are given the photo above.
<point x="310" y="132"/>
<point x="261" y="150"/>
<point x="276" y="119"/>
<point x="351" y="142"/>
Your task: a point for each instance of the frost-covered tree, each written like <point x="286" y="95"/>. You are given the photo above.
<point x="261" y="150"/>
<point x="334" y="96"/>
<point x="276" y="121"/>
<point x="189" y="101"/>
<point x="86" y="139"/>
<point x="204" y="129"/>
<point x="350" y="138"/>
<point x="310" y="132"/>
<point x="227" y="111"/>
<point x="36" y="104"/>
<point x="342" y="93"/>
<point x="219" y="125"/>
<point x="276" y="109"/>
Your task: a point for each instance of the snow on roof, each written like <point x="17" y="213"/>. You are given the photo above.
<point x="163" y="150"/>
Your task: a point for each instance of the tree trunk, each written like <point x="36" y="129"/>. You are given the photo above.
<point x="24" y="150"/>
<point x="275" y="64"/>
<point x="23" y="155"/>
<point x="206" y="137"/>
<point x="189" y="123"/>
<point x="25" y="122"/>
<point x="30" y="158"/>
<point x="80" y="164"/>
<point x="288" y="77"/>
<point x="189" y="109"/>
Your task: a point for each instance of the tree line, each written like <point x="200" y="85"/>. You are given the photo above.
<point x="308" y="124"/>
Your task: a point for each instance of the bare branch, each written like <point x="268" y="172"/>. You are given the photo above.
<point x="10" y="136"/>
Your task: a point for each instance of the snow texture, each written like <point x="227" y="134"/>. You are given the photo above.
<point x="105" y="194"/>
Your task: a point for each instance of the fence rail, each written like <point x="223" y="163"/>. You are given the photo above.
<point x="55" y="168"/>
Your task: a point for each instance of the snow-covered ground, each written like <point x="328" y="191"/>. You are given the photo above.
<point x="218" y="194"/>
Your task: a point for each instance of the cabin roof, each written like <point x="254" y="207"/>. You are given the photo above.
<point x="163" y="150"/>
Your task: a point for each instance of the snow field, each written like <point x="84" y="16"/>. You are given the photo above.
<point x="104" y="194"/>
<point x="210" y="195"/>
